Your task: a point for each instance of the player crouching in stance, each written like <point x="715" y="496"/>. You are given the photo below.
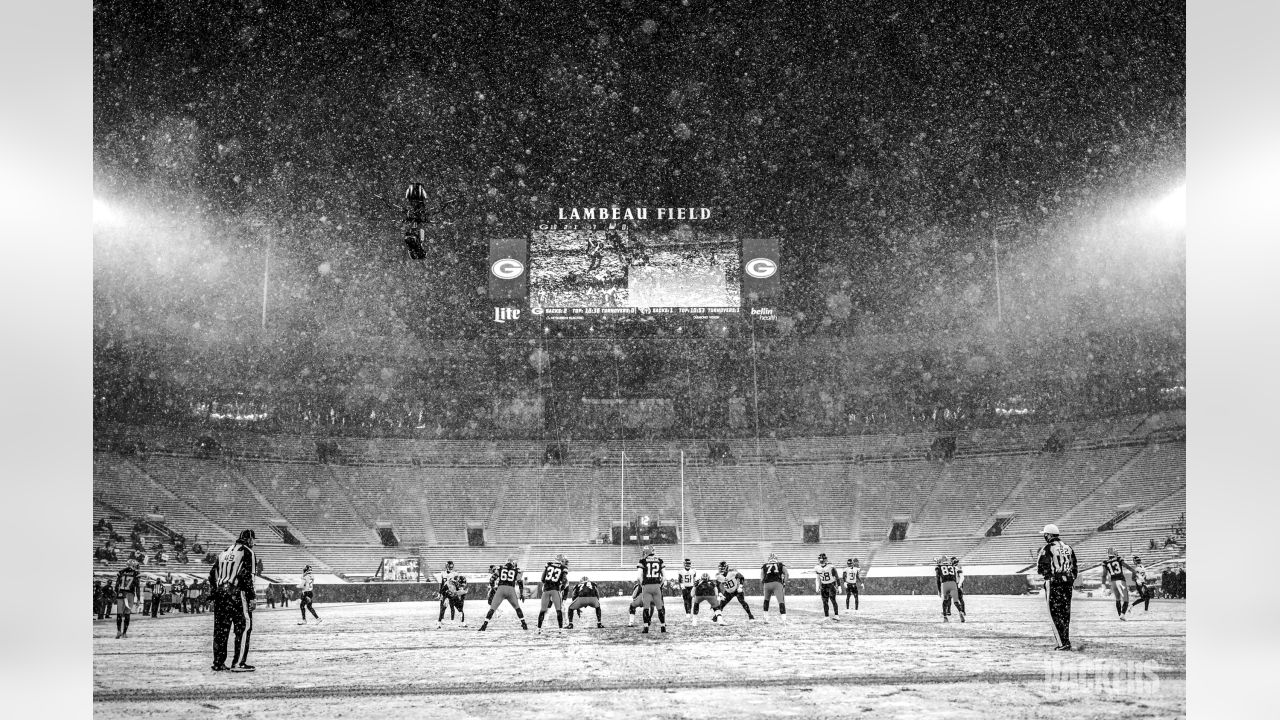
<point x="635" y="604"/>
<point x="585" y="594"/>
<point x="1140" y="582"/>
<point x="949" y="577"/>
<point x="650" y="567"/>
<point x="849" y="576"/>
<point x="510" y="588"/>
<point x="827" y="582"/>
<point x="1113" y="576"/>
<point x="732" y="583"/>
<point x="308" y="596"/>
<point x="706" y="590"/>
<point x="128" y="593"/>
<point x="554" y="579"/>
<point x="773" y="581"/>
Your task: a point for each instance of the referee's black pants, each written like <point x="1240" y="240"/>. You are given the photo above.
<point x="1058" y="593"/>
<point x="228" y="616"/>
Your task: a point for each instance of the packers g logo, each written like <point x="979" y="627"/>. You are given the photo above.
<point x="761" y="268"/>
<point x="507" y="269"/>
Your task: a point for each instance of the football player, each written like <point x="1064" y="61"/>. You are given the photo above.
<point x="554" y="576"/>
<point x="308" y="596"/>
<point x="1140" y="584"/>
<point x="635" y="604"/>
<point x="685" y="578"/>
<point x="457" y="597"/>
<point x="828" y="579"/>
<point x="773" y="580"/>
<point x="445" y="592"/>
<point x="948" y="575"/>
<point x="510" y="587"/>
<point x="1113" y="568"/>
<point x="128" y="593"/>
<point x="586" y="594"/>
<point x="849" y="576"/>
<point x="706" y="590"/>
<point x="959" y="581"/>
<point x="732" y="583"/>
<point x="650" y="567"/>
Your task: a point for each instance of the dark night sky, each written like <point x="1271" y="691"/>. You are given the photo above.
<point x="885" y="145"/>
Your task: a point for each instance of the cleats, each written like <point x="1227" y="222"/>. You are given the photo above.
<point x="946" y="619"/>
<point x="219" y="667"/>
<point x="570" y="626"/>
<point x="662" y="628"/>
<point x="244" y="667"/>
<point x="599" y="625"/>
<point x="303" y="622"/>
<point x="961" y="616"/>
<point x="1065" y="647"/>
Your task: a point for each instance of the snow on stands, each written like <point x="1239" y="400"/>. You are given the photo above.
<point x="891" y="658"/>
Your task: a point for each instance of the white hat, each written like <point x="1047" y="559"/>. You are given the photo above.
<point x="1050" y="529"/>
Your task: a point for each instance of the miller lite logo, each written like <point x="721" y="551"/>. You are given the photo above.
<point x="507" y="269"/>
<point x="761" y="268"/>
<point x="502" y="314"/>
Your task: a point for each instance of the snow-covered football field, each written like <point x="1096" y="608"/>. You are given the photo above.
<point x="892" y="658"/>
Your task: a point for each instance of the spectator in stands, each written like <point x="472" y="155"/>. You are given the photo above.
<point x="179" y="541"/>
<point x="99" y="607"/>
<point x="182" y="557"/>
<point x="1180" y="582"/>
<point x="197" y="548"/>
<point x="101" y="526"/>
<point x="135" y="538"/>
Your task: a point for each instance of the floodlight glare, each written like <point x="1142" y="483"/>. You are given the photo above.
<point x="1171" y="210"/>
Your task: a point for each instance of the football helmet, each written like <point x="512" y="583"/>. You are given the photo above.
<point x="646" y="551"/>
<point x="849" y="561"/>
<point x="133" y="563"/>
<point x="773" y="557"/>
<point x="560" y="559"/>
<point x="1050" y="529"/>
<point x="706" y="576"/>
<point x="822" y="557"/>
<point x="724" y="566"/>
<point x="448" y="565"/>
<point x="585" y="579"/>
<point x="1137" y="560"/>
<point x="306" y="568"/>
<point x="688" y="563"/>
<point x="855" y="561"/>
<point x="955" y="559"/>
<point x="511" y="561"/>
<point x="1111" y="552"/>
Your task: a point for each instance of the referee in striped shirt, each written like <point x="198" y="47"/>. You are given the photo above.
<point x="231" y="580"/>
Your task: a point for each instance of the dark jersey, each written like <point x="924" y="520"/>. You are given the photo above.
<point x="127" y="583"/>
<point x="1057" y="561"/>
<point x="234" y="571"/>
<point x="772" y="572"/>
<point x="458" y="585"/>
<point x="553" y="576"/>
<point x="585" y="589"/>
<point x="1113" y="568"/>
<point x="705" y="587"/>
<point x="508" y="575"/>
<point x="650" y="570"/>
<point x="947" y="572"/>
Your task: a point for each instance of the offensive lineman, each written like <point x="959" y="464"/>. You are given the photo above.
<point x="849" y="576"/>
<point x="1113" y="576"/>
<point x="650" y="567"/>
<point x="308" y="596"/>
<point x="826" y="582"/>
<point x="128" y="593"/>
<point x="554" y="580"/>
<point x="773" y="580"/>
<point x="510" y="587"/>
<point x="685" y="579"/>
<point x="732" y="584"/>
<point x="585" y="594"/>
<point x="1057" y="565"/>
<point x="705" y="590"/>
<point x="949" y="577"/>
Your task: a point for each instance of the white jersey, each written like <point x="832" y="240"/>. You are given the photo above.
<point x="1139" y="574"/>
<point x="849" y="575"/>
<point x="686" y="577"/>
<point x="308" y="582"/>
<point x="827" y="574"/>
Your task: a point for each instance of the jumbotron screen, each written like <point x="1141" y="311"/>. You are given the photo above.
<point x="592" y="271"/>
